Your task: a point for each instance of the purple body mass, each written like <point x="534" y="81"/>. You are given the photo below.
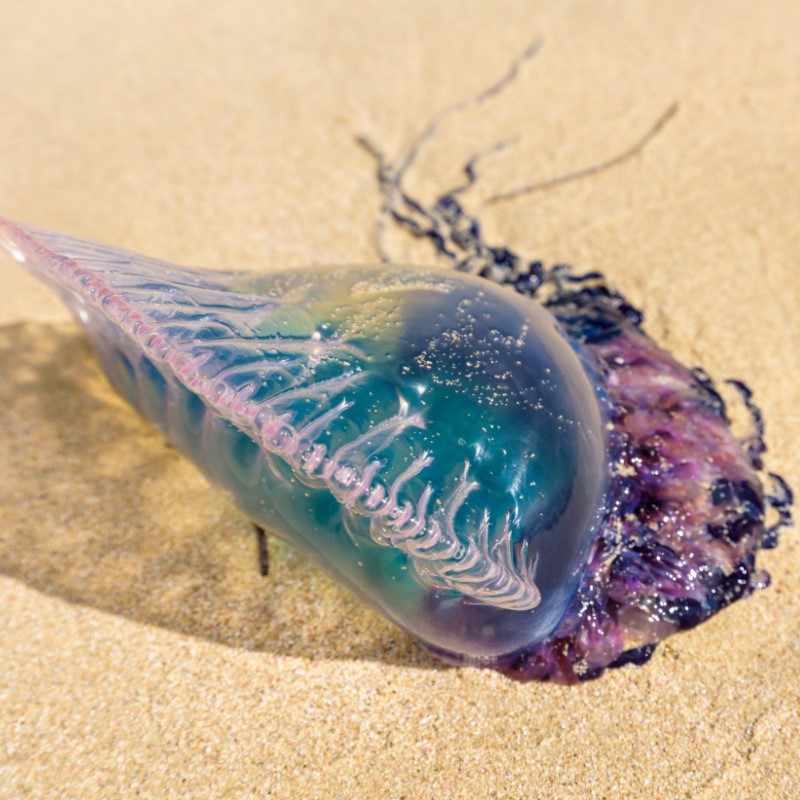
<point x="686" y="516"/>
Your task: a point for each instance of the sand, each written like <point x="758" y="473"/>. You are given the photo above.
<point x="141" y="654"/>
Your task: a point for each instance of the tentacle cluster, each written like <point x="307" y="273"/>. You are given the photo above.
<point x="678" y="542"/>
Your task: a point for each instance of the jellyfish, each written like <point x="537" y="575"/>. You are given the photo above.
<point x="496" y="457"/>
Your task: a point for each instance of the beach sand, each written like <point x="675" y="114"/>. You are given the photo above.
<point x="141" y="654"/>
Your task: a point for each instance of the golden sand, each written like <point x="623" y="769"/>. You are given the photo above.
<point x="141" y="655"/>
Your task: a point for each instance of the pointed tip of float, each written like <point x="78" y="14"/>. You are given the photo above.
<point x="9" y="240"/>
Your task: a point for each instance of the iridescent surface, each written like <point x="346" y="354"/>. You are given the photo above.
<point x="434" y="441"/>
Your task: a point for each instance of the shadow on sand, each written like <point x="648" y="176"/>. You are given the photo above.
<point x="98" y="510"/>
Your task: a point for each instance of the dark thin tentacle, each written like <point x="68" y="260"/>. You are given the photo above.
<point x="263" y="551"/>
<point x="754" y="444"/>
<point x="469" y="169"/>
<point x="780" y="497"/>
<point x="575" y="175"/>
<point x="496" y="88"/>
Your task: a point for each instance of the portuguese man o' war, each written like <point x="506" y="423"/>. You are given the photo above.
<point x="523" y="480"/>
